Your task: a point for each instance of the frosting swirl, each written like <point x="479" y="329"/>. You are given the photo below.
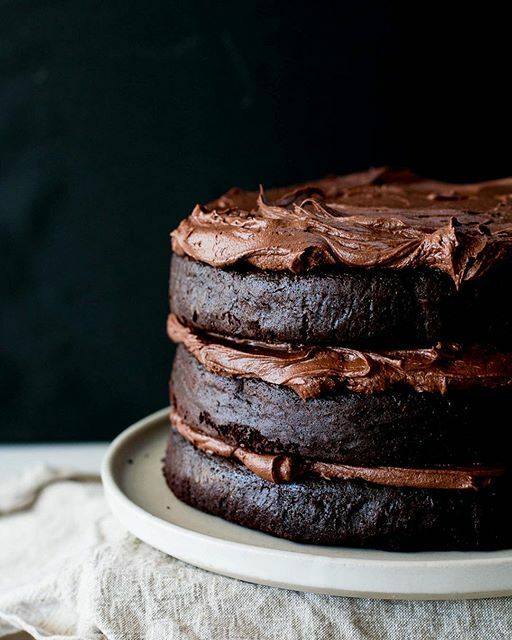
<point x="283" y="468"/>
<point x="379" y="218"/>
<point x="313" y="371"/>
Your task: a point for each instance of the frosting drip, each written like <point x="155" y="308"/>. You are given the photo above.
<point x="313" y="371"/>
<point x="283" y="468"/>
<point x="379" y="218"/>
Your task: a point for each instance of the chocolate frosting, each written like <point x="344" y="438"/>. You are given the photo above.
<point x="312" y="371"/>
<point x="283" y="468"/>
<point x="271" y="467"/>
<point x="379" y="218"/>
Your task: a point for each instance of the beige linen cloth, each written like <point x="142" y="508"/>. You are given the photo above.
<point x="69" y="570"/>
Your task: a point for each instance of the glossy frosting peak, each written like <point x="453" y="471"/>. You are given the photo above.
<point x="313" y="371"/>
<point x="379" y="218"/>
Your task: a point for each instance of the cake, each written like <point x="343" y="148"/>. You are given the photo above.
<point x="344" y="361"/>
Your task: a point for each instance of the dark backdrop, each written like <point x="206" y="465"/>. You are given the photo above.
<point x="116" y="117"/>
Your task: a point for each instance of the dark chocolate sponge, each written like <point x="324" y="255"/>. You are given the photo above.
<point x="361" y="307"/>
<point x="400" y="427"/>
<point x="349" y="513"/>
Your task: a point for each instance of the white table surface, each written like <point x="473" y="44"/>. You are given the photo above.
<point x="81" y="456"/>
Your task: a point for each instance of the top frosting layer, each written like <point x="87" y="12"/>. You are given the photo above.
<point x="379" y="218"/>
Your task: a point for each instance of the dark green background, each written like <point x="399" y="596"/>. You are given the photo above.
<point x="117" y="116"/>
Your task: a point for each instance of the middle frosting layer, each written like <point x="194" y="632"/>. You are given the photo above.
<point x="313" y="371"/>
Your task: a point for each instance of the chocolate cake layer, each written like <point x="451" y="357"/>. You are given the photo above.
<point x="364" y="307"/>
<point x="341" y="512"/>
<point x="395" y="427"/>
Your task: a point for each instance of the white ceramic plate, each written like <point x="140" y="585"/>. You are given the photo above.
<point x="140" y="499"/>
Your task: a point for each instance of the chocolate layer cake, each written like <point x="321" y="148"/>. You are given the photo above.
<point x="344" y="362"/>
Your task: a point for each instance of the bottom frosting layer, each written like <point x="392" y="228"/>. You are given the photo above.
<point x="351" y="513"/>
